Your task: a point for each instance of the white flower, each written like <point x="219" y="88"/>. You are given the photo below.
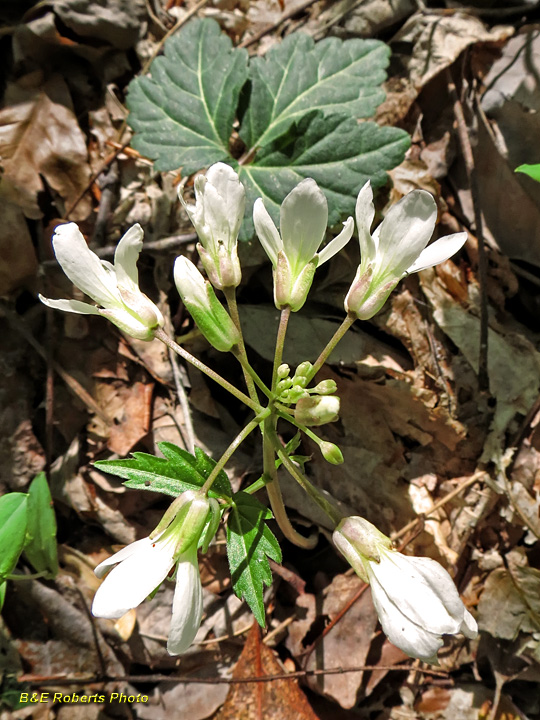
<point x="220" y="201"/>
<point x="294" y="252"/>
<point x="415" y="598"/>
<point x="200" y="299"/>
<point x="114" y="287"/>
<point x="143" y="565"/>
<point x="396" y="248"/>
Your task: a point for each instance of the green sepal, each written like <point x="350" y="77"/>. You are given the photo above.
<point x="214" y="322"/>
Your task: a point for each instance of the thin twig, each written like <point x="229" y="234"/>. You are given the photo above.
<point x="189" y="680"/>
<point x="450" y="496"/>
<point x="189" y="440"/>
<point x="108" y="160"/>
<point x="468" y="157"/>
<point x="270" y="28"/>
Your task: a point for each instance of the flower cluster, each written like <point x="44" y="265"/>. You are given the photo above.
<point x="415" y="598"/>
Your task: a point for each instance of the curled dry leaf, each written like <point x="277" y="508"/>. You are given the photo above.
<point x="42" y="143"/>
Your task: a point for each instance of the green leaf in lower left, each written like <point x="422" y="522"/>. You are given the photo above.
<point x="41" y="546"/>
<point x="250" y="543"/>
<point x="13" y="522"/>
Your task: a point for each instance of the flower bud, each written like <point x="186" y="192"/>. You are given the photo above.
<point x="325" y="387"/>
<point x="331" y="453"/>
<point x="284" y="385"/>
<point x="313" y="411"/>
<point x="283" y="371"/>
<point x="200" y="299"/>
<point x="303" y="369"/>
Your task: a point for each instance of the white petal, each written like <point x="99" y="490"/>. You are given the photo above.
<point x="303" y="222"/>
<point x="405" y="232"/>
<point x="438" y="251"/>
<point x="83" y="267"/>
<point x="402" y="632"/>
<point x="130" y="582"/>
<point x="187" y="604"/>
<point x="423" y="590"/>
<point x="228" y="186"/>
<point x="338" y="243"/>
<point x="365" y="212"/>
<point x="123" y="554"/>
<point x="126" y="256"/>
<point x="74" y="306"/>
<point x="266" y="231"/>
<point x="469" y="626"/>
<point x="128" y="323"/>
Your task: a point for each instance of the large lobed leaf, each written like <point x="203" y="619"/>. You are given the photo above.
<point x="172" y="475"/>
<point x="183" y="114"/>
<point x="299" y="76"/>
<point x="250" y="543"/>
<point x="336" y="151"/>
<point x="298" y="111"/>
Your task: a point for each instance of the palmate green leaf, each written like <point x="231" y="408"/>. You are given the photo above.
<point x="250" y="543"/>
<point x="13" y="522"/>
<point x="183" y="115"/>
<point x="41" y="546"/>
<point x="172" y="475"/>
<point x="299" y="75"/>
<point x="334" y="150"/>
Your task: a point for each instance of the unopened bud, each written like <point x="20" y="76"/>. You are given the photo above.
<point x="303" y="369"/>
<point x="325" y="387"/>
<point x="283" y="371"/>
<point x="331" y="453"/>
<point x="200" y="299"/>
<point x="295" y="393"/>
<point x="313" y="411"/>
<point x="284" y="385"/>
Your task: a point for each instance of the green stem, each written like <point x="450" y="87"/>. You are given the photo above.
<point x="286" y="414"/>
<point x="256" y="486"/>
<point x="332" y="512"/>
<point x="238" y="440"/>
<point x="340" y="332"/>
<point x="169" y="342"/>
<point x="230" y="296"/>
<point x="280" y="343"/>
<point x="274" y="493"/>
<point x="30" y="576"/>
<point x="246" y="367"/>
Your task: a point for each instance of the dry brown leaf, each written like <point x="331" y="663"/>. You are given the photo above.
<point x="277" y="700"/>
<point x="40" y="137"/>
<point x="18" y="261"/>
<point x="134" y="422"/>
<point x="438" y="40"/>
<point x="347" y="643"/>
